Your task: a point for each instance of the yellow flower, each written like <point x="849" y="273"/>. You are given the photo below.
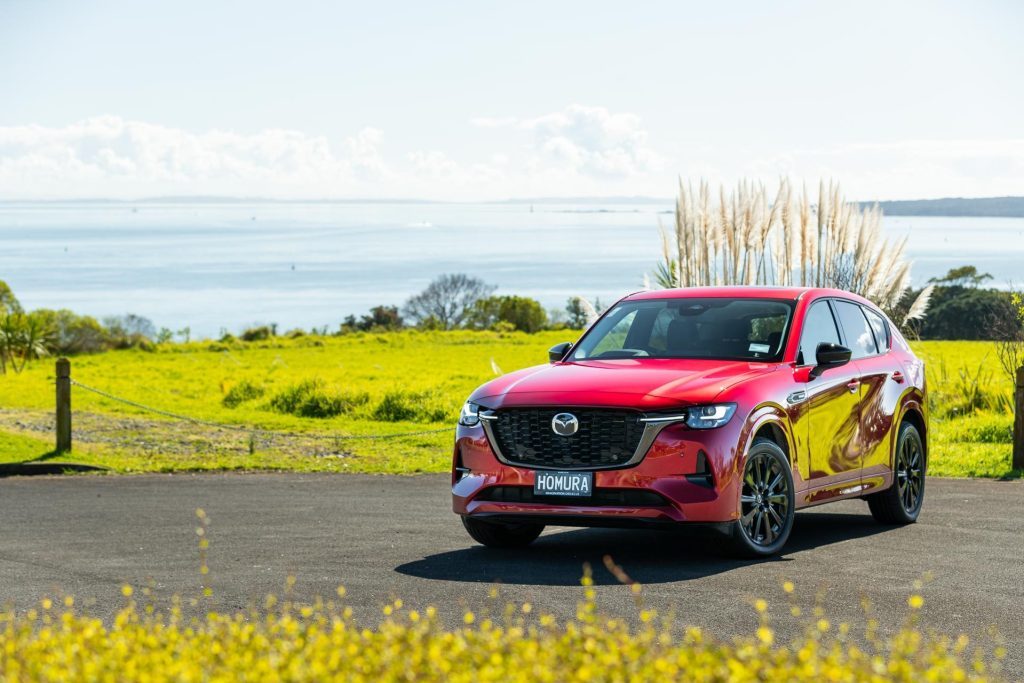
<point x="126" y="591"/>
<point x="915" y="601"/>
<point x="760" y="605"/>
<point x="788" y="586"/>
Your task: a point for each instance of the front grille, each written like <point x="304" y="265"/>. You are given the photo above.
<point x="600" y="497"/>
<point x="605" y="438"/>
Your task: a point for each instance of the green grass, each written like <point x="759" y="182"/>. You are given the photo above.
<point x="971" y="402"/>
<point x="316" y="388"/>
<point x="359" y="385"/>
<point x="20" y="448"/>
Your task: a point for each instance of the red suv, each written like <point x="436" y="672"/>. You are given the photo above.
<point x="731" y="407"/>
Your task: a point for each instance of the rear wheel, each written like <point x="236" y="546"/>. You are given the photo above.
<point x="497" y="535"/>
<point x="767" y="503"/>
<point x="901" y="502"/>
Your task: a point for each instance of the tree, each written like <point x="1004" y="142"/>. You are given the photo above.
<point x="73" y="333"/>
<point x="380" y="318"/>
<point x="522" y="313"/>
<point x="128" y="331"/>
<point x="578" y="314"/>
<point x="447" y="300"/>
<point x="8" y="302"/>
<point x="1010" y="344"/>
<point x="24" y="337"/>
<point x="962" y="277"/>
<point x="969" y="313"/>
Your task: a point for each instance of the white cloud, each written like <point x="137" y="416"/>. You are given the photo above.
<point x="584" y="140"/>
<point x="593" y="141"/>
<point x="579" y="150"/>
<point x="109" y="156"/>
<point x="365" y="157"/>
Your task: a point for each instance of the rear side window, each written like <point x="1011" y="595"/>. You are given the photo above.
<point x="819" y="328"/>
<point x="880" y="328"/>
<point x="859" y="336"/>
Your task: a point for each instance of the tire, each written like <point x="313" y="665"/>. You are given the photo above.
<point x="496" y="535"/>
<point x="901" y="502"/>
<point x="767" y="502"/>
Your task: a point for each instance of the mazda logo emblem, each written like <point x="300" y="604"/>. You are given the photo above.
<point x="565" y="424"/>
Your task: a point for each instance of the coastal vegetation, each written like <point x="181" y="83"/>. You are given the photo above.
<point x="746" y="236"/>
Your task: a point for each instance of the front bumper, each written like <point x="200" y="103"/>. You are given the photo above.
<point x="674" y="470"/>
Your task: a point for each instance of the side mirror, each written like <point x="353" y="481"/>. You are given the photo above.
<point x="559" y="351"/>
<point x="830" y="356"/>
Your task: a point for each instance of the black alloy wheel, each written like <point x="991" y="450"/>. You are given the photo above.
<point x="767" y="503"/>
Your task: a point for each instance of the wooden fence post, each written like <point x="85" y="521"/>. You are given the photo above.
<point x="63" y="405"/>
<point x="1018" y="422"/>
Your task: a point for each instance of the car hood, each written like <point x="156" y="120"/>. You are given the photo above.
<point x="642" y="383"/>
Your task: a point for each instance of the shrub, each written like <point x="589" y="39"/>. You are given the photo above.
<point x="518" y="312"/>
<point x="407" y="406"/>
<point x="966" y="392"/>
<point x="242" y="392"/>
<point x="259" y="333"/>
<point x="312" y="398"/>
<point x="745" y="237"/>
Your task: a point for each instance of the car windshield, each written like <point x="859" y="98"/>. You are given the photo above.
<point x="719" y="328"/>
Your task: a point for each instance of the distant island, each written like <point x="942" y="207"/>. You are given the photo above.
<point x="1010" y="207"/>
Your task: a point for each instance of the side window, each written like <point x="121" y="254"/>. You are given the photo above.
<point x="880" y="328"/>
<point x="858" y="333"/>
<point x="819" y="327"/>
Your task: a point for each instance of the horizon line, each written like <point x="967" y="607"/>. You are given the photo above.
<point x="595" y="199"/>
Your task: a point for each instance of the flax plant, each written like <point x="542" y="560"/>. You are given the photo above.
<point x="746" y="236"/>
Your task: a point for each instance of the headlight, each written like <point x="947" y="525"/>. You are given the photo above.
<point x="710" y="417"/>
<point x="470" y="415"/>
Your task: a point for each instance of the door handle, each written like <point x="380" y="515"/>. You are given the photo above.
<point x="796" y="397"/>
<point x="853" y="386"/>
<point x="897" y="377"/>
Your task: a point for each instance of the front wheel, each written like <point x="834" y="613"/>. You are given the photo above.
<point x="497" y="535"/>
<point x="901" y="502"/>
<point x="767" y="502"/>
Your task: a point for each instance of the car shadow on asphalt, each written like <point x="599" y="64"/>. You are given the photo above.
<point x="556" y="559"/>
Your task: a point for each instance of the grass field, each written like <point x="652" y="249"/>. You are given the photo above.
<point x="298" y="402"/>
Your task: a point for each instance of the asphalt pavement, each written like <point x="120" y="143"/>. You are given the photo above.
<point x="387" y="537"/>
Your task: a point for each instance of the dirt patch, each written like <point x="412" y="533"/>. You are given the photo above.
<point x="167" y="437"/>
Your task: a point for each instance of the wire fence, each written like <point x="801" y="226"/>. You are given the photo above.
<point x="254" y="430"/>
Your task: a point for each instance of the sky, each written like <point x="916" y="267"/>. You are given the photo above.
<point x="485" y="100"/>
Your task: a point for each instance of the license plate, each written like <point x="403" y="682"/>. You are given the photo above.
<point x="578" y="484"/>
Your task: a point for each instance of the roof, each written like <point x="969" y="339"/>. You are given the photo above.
<point x="748" y="292"/>
<point x="714" y="292"/>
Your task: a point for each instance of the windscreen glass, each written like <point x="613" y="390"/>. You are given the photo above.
<point x="723" y="328"/>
